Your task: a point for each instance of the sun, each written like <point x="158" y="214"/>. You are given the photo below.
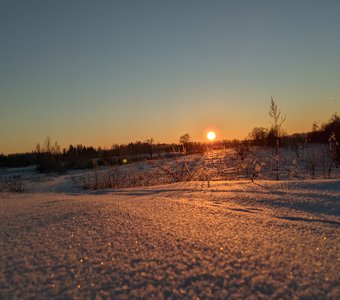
<point x="211" y="135"/>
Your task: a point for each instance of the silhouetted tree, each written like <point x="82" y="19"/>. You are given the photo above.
<point x="258" y="135"/>
<point x="184" y="140"/>
<point x="49" y="157"/>
<point x="150" y="146"/>
<point x="274" y="132"/>
<point x="277" y="118"/>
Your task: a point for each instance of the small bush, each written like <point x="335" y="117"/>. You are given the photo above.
<point x="13" y="184"/>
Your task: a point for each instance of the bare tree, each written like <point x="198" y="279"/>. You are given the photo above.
<point x="277" y="118"/>
<point x="258" y="135"/>
<point x="184" y="140"/>
<point x="47" y="145"/>
<point x="277" y="121"/>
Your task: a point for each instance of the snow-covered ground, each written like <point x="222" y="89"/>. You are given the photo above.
<point x="233" y="240"/>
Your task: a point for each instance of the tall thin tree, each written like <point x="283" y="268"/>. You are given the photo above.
<point x="277" y="121"/>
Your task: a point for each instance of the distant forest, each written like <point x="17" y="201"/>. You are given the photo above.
<point x="51" y="158"/>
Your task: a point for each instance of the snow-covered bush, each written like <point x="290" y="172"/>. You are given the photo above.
<point x="12" y="184"/>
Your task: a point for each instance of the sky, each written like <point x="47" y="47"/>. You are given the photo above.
<point x="106" y="72"/>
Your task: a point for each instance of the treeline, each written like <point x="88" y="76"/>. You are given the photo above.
<point x="49" y="157"/>
<point x="327" y="132"/>
<point x="18" y="160"/>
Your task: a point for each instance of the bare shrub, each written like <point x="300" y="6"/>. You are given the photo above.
<point x="98" y="179"/>
<point x="255" y="167"/>
<point x="118" y="177"/>
<point x="13" y="185"/>
<point x="312" y="159"/>
<point x="333" y="147"/>
<point x="176" y="172"/>
<point x="242" y="150"/>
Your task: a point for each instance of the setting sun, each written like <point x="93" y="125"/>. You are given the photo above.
<point x="211" y="135"/>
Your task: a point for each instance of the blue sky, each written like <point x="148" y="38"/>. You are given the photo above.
<point x="105" y="72"/>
